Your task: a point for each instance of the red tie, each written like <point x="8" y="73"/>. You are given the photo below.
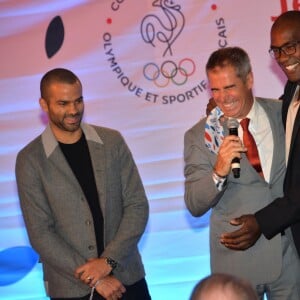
<point x="250" y="144"/>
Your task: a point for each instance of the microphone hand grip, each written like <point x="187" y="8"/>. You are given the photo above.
<point x="233" y="125"/>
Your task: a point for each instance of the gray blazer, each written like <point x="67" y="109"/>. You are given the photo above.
<point x="245" y="195"/>
<point x="58" y="217"/>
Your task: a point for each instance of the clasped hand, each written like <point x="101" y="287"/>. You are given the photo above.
<point x="95" y="272"/>
<point x="243" y="238"/>
<point x="110" y="288"/>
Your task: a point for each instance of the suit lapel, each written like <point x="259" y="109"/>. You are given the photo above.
<point x="277" y="134"/>
<point x="57" y="158"/>
<point x="287" y="98"/>
<point x="296" y="122"/>
<point x="99" y="161"/>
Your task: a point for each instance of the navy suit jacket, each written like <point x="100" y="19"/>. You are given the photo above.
<point x="284" y="212"/>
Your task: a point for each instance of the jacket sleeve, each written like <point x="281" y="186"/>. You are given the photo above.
<point x="134" y="205"/>
<point x="278" y="215"/>
<point x="39" y="221"/>
<point x="201" y="192"/>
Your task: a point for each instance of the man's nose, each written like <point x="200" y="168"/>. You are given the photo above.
<point x="72" y="108"/>
<point x="222" y="94"/>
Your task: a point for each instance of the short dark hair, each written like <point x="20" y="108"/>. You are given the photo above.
<point x="57" y="75"/>
<point x="230" y="56"/>
<point x="240" y="287"/>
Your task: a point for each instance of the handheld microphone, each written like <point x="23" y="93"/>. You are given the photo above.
<point x="233" y="126"/>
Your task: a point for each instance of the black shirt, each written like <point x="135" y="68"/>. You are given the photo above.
<point x="79" y="159"/>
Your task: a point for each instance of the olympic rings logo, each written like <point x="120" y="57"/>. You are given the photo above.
<point x="169" y="72"/>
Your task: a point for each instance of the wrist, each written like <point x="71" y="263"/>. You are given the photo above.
<point x="219" y="176"/>
<point x="110" y="262"/>
<point x="220" y="181"/>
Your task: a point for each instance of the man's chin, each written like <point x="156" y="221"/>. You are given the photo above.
<point x="292" y="76"/>
<point x="72" y="127"/>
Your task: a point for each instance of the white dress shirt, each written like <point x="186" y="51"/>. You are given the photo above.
<point x="260" y="128"/>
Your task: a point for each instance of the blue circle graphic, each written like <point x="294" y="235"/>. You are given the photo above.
<point x="16" y="263"/>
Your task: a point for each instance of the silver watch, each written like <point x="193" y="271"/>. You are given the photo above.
<point x="111" y="262"/>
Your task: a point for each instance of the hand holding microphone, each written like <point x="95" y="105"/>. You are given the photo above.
<point x="230" y="152"/>
<point x="233" y="126"/>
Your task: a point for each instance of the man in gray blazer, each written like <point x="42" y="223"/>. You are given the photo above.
<point x="211" y="152"/>
<point x="83" y="201"/>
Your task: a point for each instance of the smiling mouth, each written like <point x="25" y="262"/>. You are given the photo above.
<point x="292" y="67"/>
<point x="73" y="120"/>
<point x="229" y="104"/>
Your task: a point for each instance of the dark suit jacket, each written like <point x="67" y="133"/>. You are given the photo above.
<point x="284" y="212"/>
<point x="58" y="218"/>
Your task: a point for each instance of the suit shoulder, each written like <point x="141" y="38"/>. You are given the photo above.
<point x="290" y="85"/>
<point x="32" y="147"/>
<point x="289" y="90"/>
<point x="30" y="154"/>
<point x="108" y="134"/>
<point x="270" y="102"/>
<point x="105" y="130"/>
<point x="198" y="127"/>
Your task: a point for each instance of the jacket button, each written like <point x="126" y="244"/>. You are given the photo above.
<point x="88" y="222"/>
<point x="91" y="247"/>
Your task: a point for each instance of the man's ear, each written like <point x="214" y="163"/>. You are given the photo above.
<point x="44" y="105"/>
<point x="250" y="80"/>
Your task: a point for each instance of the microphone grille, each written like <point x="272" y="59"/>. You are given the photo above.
<point x="233" y="123"/>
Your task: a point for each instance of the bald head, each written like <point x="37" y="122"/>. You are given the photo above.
<point x="289" y="19"/>
<point x="223" y="287"/>
<point x="285" y="44"/>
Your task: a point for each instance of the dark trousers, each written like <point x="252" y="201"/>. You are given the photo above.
<point x="136" y="291"/>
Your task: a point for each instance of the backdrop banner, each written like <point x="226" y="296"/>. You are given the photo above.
<point x="142" y="65"/>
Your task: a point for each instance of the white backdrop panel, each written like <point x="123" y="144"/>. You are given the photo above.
<point x="150" y="87"/>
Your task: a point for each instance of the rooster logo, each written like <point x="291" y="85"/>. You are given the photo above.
<point x="164" y="27"/>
